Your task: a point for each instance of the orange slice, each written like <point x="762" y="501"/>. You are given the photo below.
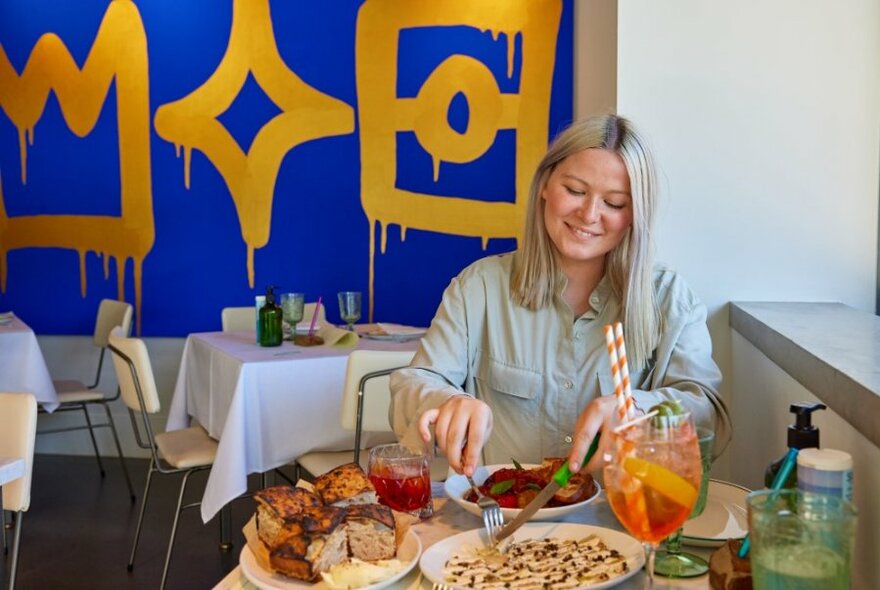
<point x="662" y="480"/>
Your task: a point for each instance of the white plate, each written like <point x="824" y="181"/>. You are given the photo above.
<point x="436" y="556"/>
<point x="724" y="517"/>
<point x="457" y="485"/>
<point x="393" y="337"/>
<point x="408" y="552"/>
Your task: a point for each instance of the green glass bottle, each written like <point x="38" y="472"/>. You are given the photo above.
<point x="269" y="321"/>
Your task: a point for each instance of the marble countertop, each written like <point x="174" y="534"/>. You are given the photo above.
<point x="830" y="348"/>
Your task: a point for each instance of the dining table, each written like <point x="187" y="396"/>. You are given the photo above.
<point x="22" y="366"/>
<point x="265" y="406"/>
<point x="450" y="519"/>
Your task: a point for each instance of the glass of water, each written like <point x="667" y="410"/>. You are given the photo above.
<point x="350" y="307"/>
<point x="292" y="309"/>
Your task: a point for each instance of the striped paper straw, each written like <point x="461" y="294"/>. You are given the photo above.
<point x="624" y="370"/>
<point x="615" y="373"/>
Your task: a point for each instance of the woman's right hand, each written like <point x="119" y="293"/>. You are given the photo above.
<point x="462" y="425"/>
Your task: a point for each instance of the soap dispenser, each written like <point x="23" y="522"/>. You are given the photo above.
<point x="269" y="321"/>
<point x="801" y="435"/>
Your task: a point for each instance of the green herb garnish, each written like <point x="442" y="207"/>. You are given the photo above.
<point x="532" y="486"/>
<point x="517" y="464"/>
<point x="501" y="487"/>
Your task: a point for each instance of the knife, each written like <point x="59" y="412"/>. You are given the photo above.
<point x="557" y="482"/>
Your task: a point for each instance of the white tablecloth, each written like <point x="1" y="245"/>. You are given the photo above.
<point x="22" y="367"/>
<point x="265" y="406"/>
<point x="450" y="519"/>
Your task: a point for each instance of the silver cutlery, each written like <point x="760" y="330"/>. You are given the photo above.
<point x="493" y="518"/>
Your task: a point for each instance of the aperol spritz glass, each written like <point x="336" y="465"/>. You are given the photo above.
<point x="653" y="478"/>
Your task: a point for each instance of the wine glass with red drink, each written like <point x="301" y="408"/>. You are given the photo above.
<point x="402" y="478"/>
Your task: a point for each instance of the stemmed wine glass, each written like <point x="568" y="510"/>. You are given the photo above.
<point x="653" y="477"/>
<point x="671" y="561"/>
<point x="350" y="307"/>
<point x="292" y="310"/>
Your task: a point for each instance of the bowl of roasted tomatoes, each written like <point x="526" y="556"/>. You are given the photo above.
<point x="514" y="485"/>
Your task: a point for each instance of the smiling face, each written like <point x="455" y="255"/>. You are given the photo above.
<point x="588" y="207"/>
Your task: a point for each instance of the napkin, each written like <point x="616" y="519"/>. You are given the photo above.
<point x="337" y="337"/>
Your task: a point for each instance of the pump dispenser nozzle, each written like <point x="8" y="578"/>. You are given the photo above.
<point x="802" y="434"/>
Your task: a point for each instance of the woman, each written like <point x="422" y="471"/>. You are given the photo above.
<point x="515" y="366"/>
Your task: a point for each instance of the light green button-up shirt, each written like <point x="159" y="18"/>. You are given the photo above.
<point x="538" y="370"/>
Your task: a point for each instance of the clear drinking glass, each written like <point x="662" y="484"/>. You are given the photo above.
<point x="402" y="478"/>
<point x="653" y="479"/>
<point x="800" y="540"/>
<point x="350" y="307"/>
<point x="671" y="561"/>
<point x="292" y="310"/>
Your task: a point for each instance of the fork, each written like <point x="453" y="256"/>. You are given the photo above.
<point x="437" y="586"/>
<point x="493" y="519"/>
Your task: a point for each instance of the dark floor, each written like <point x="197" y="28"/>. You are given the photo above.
<point x="78" y="530"/>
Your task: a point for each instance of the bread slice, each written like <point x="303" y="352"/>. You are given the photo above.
<point x="314" y="541"/>
<point x="580" y="487"/>
<point x="727" y="571"/>
<point x="346" y="485"/>
<point x="276" y="506"/>
<point x="370" y="530"/>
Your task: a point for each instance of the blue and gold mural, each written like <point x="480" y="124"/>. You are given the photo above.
<point x="184" y="155"/>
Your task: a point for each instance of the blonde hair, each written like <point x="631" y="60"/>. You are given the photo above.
<point x="536" y="276"/>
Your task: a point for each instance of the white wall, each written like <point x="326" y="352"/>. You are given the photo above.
<point x="765" y="119"/>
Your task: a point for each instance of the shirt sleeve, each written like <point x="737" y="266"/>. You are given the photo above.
<point x="438" y="370"/>
<point x="684" y="370"/>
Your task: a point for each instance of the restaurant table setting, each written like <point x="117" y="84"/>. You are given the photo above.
<point x="22" y="366"/>
<point x="451" y="527"/>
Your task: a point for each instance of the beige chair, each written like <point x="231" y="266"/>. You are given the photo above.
<point x="365" y="403"/>
<point x="18" y="425"/>
<point x="183" y="451"/>
<point x="77" y="396"/>
<point x="239" y="319"/>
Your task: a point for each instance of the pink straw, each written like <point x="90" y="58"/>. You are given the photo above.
<point x="314" y="318"/>
<point x="624" y="370"/>
<point x="615" y="373"/>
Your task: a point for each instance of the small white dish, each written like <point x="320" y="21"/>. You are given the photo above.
<point x="724" y="517"/>
<point x="435" y="557"/>
<point x="408" y="552"/>
<point x="457" y="486"/>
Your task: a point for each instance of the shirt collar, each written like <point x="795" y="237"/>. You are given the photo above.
<point x="598" y="298"/>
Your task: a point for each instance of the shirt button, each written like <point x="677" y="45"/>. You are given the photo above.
<point x="594" y="300"/>
<point x="577" y="335"/>
<point x="568" y="440"/>
<point x="568" y="384"/>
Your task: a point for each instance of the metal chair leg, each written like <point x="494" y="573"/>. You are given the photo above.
<point x="85" y="410"/>
<point x="174" y="529"/>
<point x="140" y="522"/>
<point x="225" y="526"/>
<point x="15" y="546"/>
<point x="119" y="450"/>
